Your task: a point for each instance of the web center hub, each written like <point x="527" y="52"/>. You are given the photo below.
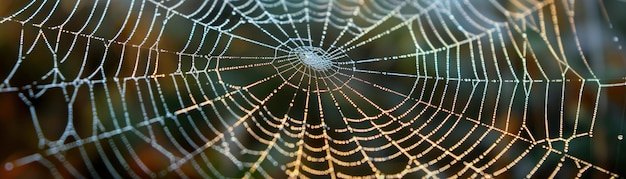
<point x="311" y="68"/>
<point x="313" y="57"/>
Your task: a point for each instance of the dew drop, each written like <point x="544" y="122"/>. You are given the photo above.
<point x="615" y="39"/>
<point x="8" y="166"/>
<point x="620" y="137"/>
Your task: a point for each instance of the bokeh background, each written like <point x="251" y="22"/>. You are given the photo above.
<point x="24" y="97"/>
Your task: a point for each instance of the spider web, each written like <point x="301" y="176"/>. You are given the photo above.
<point x="283" y="88"/>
